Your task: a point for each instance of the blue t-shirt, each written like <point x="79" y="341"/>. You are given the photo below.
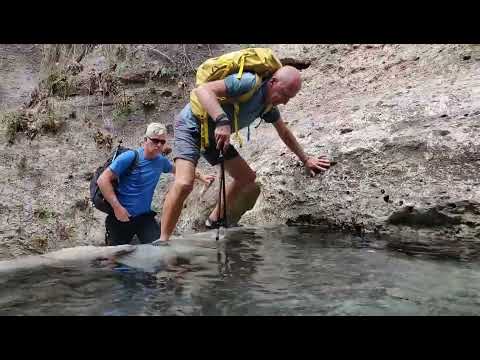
<point x="135" y="191"/>
<point x="249" y="110"/>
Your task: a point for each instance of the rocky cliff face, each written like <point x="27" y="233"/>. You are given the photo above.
<point x="19" y="71"/>
<point x="66" y="127"/>
<point x="401" y="123"/>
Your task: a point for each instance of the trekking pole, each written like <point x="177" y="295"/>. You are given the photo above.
<point x="221" y="190"/>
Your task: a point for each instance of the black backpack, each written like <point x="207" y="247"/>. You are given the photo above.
<point x="96" y="195"/>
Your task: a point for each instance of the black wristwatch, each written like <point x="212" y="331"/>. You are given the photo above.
<point x="222" y="120"/>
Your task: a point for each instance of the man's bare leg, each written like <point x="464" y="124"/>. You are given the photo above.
<point x="173" y="205"/>
<point x="243" y="177"/>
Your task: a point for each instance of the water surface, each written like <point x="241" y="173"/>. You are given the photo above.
<point x="259" y="271"/>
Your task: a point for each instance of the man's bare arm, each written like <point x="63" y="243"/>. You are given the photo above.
<point x="290" y="140"/>
<point x="208" y="95"/>
<point x="314" y="165"/>
<point x="105" y="183"/>
<point x="206" y="179"/>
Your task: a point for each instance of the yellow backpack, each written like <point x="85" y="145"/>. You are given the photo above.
<point x="260" y="61"/>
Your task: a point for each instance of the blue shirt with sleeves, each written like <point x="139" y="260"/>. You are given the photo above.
<point x="135" y="190"/>
<point x="249" y="110"/>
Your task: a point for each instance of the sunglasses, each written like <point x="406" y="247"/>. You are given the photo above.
<point x="158" y="141"/>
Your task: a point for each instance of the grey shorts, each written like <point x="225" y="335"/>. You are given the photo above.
<point x="187" y="145"/>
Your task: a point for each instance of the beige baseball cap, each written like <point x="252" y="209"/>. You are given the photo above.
<point x="154" y="129"/>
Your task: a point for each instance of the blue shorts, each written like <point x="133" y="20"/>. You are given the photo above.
<point x="187" y="145"/>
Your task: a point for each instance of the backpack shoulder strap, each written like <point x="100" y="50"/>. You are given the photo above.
<point x="236" y="105"/>
<point x="245" y="97"/>
<point x="134" y="163"/>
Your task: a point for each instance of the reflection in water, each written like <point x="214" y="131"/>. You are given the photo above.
<point x="256" y="271"/>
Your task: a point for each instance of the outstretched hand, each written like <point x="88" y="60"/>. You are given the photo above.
<point x="317" y="165"/>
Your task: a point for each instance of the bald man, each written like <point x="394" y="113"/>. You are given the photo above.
<point x="278" y="89"/>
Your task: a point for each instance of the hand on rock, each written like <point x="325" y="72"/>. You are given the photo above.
<point x="317" y="165"/>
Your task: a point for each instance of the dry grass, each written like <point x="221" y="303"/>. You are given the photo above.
<point x="40" y="243"/>
<point x="60" y="62"/>
<point x="49" y="125"/>
<point x="123" y="107"/>
<point x="115" y="53"/>
<point x="44" y="214"/>
<point x="59" y="83"/>
<point x="46" y="120"/>
<point x="63" y="231"/>
<point x="13" y="122"/>
<point x="61" y="54"/>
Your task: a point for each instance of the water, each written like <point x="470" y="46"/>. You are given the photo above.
<point x="262" y="271"/>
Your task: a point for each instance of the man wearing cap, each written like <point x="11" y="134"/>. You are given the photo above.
<point x="131" y="202"/>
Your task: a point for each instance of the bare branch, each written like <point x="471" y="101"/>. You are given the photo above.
<point x="85" y="49"/>
<point x="186" y="56"/>
<point x="160" y="53"/>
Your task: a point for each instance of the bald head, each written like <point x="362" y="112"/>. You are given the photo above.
<point x="284" y="85"/>
<point x="290" y="76"/>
